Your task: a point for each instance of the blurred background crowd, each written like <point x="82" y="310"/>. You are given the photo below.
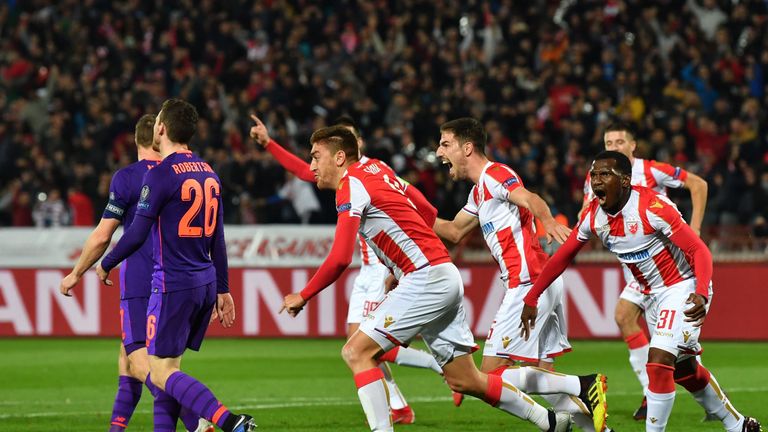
<point x="544" y="77"/>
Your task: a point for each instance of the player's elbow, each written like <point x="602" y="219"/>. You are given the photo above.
<point x="697" y="185"/>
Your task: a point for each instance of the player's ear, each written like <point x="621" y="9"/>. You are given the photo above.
<point x="341" y="158"/>
<point x="469" y="148"/>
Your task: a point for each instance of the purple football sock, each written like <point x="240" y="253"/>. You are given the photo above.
<point x="192" y="394"/>
<point x="166" y="413"/>
<point x="151" y="386"/>
<point x="126" y="399"/>
<point x="189" y="419"/>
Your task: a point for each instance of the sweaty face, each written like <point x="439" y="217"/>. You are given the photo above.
<point x="450" y="153"/>
<point x="324" y="166"/>
<point x="621" y="142"/>
<point x="607" y="184"/>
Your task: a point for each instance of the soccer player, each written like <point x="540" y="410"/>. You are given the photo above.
<point x="673" y="268"/>
<point x="504" y="208"/>
<point x="657" y="176"/>
<point x="133" y="363"/>
<point x="368" y="289"/>
<point x="372" y="202"/>
<point x="180" y="202"/>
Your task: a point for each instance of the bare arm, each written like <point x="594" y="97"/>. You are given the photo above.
<point x="522" y="197"/>
<point x="457" y="229"/>
<point x="93" y="249"/>
<point x="698" y="187"/>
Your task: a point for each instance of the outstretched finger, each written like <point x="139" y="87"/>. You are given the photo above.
<point x="256" y="119"/>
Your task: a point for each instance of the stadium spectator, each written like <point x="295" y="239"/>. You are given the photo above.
<point x="74" y="78"/>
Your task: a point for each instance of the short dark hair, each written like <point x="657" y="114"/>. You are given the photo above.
<point x="622" y="161"/>
<point x="620" y="126"/>
<point x="337" y="138"/>
<point x="467" y="129"/>
<point x="347" y="121"/>
<point x="180" y="120"/>
<point x="145" y="130"/>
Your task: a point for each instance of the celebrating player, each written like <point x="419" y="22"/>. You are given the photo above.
<point x="180" y="202"/>
<point x="368" y="289"/>
<point x="133" y="363"/>
<point x="673" y="268"/>
<point x="657" y="176"/>
<point x="505" y="209"/>
<point x="372" y="201"/>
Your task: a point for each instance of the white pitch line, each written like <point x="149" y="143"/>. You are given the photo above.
<point x="265" y="404"/>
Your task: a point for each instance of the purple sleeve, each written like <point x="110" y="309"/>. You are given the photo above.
<point x="118" y="198"/>
<point x="153" y="194"/>
<point x="219" y="253"/>
<point x="129" y="243"/>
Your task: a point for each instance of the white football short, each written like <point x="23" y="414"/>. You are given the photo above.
<point x="548" y="337"/>
<point x="427" y="301"/>
<point x="666" y="320"/>
<point x="633" y="293"/>
<point x="367" y="292"/>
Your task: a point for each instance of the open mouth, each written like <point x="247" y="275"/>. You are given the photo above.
<point x="600" y="194"/>
<point x="448" y="163"/>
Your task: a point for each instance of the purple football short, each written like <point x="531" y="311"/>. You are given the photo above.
<point x="177" y="320"/>
<point x="133" y="323"/>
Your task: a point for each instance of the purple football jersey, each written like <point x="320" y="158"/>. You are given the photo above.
<point x="123" y="197"/>
<point x="183" y="195"/>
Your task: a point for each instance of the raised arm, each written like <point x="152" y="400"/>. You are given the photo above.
<point x="288" y="160"/>
<point x="522" y="197"/>
<point x="426" y="209"/>
<point x="93" y="249"/>
<point x="458" y="228"/>
<point x="698" y="187"/>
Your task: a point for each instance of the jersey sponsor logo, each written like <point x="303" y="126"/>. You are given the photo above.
<point x="143" y="197"/>
<point x="510" y="181"/>
<point x="641" y="255"/>
<point x="372" y="169"/>
<point x="343" y="207"/>
<point x="488" y="228"/>
<point x="115" y="209"/>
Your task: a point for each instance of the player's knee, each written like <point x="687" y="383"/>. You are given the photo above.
<point x="138" y="370"/>
<point x="350" y="354"/>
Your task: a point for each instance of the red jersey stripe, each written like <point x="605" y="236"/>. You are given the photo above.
<point x="667" y="266"/>
<point x="639" y="277"/>
<point x="394" y="252"/>
<point x="617" y="225"/>
<point x="510" y="255"/>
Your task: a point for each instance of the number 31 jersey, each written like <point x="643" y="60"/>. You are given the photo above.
<point x="183" y="195"/>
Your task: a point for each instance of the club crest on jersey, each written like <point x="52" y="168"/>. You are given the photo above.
<point x="143" y="197"/>
<point x="372" y="169"/>
<point x="633" y="226"/>
<point x="388" y="321"/>
<point x="505" y="341"/>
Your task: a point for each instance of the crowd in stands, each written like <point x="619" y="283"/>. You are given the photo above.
<point x="543" y="76"/>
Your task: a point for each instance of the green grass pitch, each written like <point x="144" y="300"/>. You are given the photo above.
<point x="303" y="385"/>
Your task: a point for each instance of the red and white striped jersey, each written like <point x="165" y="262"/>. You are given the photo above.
<point x="389" y="222"/>
<point x="367" y="257"/>
<point x="639" y="236"/>
<point x="509" y="230"/>
<point x="651" y="174"/>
